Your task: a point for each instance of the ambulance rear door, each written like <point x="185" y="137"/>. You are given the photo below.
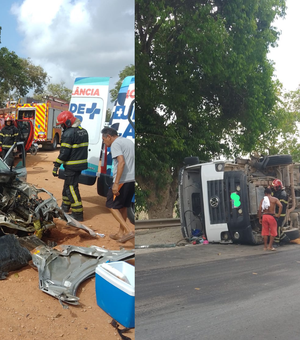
<point x="89" y="104"/>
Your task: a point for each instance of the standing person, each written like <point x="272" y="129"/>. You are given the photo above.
<point x="73" y="155"/>
<point x="8" y="137"/>
<point x="267" y="217"/>
<point x="120" y="194"/>
<point x="279" y="192"/>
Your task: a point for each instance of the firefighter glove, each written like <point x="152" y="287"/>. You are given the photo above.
<point x="54" y="171"/>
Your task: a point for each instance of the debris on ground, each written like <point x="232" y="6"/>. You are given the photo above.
<point x="12" y="255"/>
<point x="63" y="268"/>
<point x="120" y="331"/>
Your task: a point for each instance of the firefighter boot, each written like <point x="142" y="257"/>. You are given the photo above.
<point x="77" y="216"/>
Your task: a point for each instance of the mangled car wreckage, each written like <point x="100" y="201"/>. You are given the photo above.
<point x="220" y="199"/>
<point x="22" y="209"/>
<point x="24" y="218"/>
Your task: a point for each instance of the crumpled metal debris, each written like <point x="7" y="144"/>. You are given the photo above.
<point x="63" y="268"/>
<point x="24" y="211"/>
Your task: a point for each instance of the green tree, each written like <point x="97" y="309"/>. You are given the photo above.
<point x="128" y="71"/>
<point x="203" y="86"/>
<point x="59" y="91"/>
<point x="108" y="115"/>
<point x="18" y="76"/>
<point x="284" y="135"/>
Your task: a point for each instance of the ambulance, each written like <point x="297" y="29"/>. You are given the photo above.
<point x="123" y="120"/>
<point x="89" y="104"/>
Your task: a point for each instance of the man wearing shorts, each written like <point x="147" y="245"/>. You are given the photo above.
<point x="268" y="218"/>
<point x="120" y="194"/>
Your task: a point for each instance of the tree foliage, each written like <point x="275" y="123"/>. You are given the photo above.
<point x="128" y="71"/>
<point x="18" y="76"/>
<point x="284" y="135"/>
<point x="203" y="86"/>
<point x="56" y="90"/>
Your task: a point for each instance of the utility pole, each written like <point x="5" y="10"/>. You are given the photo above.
<point x="0" y="34"/>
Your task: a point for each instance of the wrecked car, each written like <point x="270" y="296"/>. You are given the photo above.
<point x="220" y="199"/>
<point x="23" y="210"/>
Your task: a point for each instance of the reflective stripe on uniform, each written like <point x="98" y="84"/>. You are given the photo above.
<point x="80" y="161"/>
<point x="14" y="135"/>
<point x="76" y="162"/>
<point x="73" y="194"/>
<point x="74" y="146"/>
<point x="76" y="202"/>
<point x="66" y="200"/>
<point x="76" y="210"/>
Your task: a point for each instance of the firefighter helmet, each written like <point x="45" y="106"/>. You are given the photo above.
<point x="66" y="117"/>
<point x="277" y="184"/>
<point x="8" y="118"/>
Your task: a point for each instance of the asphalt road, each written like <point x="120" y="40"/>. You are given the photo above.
<point x="218" y="292"/>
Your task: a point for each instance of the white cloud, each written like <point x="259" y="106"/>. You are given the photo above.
<point x="77" y="38"/>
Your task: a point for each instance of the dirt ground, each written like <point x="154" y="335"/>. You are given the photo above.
<point x="28" y="313"/>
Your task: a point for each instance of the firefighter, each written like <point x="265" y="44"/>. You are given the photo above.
<point x="8" y="137"/>
<point x="73" y="155"/>
<point x="279" y="192"/>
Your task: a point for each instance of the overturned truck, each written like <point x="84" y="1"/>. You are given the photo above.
<point x="220" y="199"/>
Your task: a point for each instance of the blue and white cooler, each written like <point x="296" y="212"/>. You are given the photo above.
<point x="115" y="291"/>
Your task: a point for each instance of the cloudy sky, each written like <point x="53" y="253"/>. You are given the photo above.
<point x="71" y="38"/>
<point x="77" y="38"/>
<point x="287" y="55"/>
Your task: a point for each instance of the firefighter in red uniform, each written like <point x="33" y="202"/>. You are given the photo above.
<point x="8" y="137"/>
<point x="73" y="155"/>
<point x="279" y="192"/>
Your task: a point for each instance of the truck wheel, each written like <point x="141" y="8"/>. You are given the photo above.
<point x="269" y="161"/>
<point x="131" y="213"/>
<point x="191" y="160"/>
<point x="292" y="234"/>
<point x="55" y="142"/>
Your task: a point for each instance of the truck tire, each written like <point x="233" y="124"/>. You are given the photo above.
<point x="269" y="161"/>
<point x="292" y="234"/>
<point x="191" y="160"/>
<point x="55" y="142"/>
<point x="131" y="213"/>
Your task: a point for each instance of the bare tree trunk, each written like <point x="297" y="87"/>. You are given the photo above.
<point x="161" y="201"/>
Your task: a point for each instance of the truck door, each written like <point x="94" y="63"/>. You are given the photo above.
<point x="26" y="132"/>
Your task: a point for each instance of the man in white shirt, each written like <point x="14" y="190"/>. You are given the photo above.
<point x="120" y="194"/>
